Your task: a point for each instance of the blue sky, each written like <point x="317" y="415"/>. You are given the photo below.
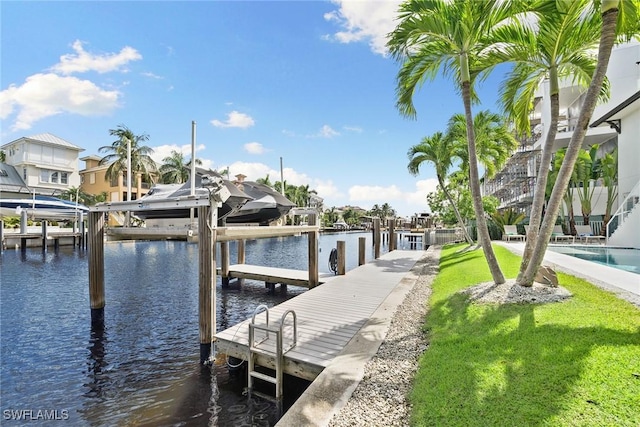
<point x="308" y="81"/>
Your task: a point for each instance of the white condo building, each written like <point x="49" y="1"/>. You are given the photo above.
<point x="47" y="164"/>
<point x="615" y="124"/>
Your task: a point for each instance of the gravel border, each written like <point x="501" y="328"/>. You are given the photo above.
<point x="381" y="398"/>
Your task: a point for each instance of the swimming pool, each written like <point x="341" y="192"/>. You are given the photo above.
<point x="627" y="259"/>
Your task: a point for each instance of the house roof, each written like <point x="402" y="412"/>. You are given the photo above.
<point x="612" y="114"/>
<point x="10" y="179"/>
<point x="48" y="139"/>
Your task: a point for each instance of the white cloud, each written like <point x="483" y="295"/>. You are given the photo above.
<point x="83" y="61"/>
<point x="356" y="129"/>
<point x="404" y="202"/>
<point x="161" y="152"/>
<point x="375" y="193"/>
<point x="254" y="148"/>
<point x="235" y="119"/>
<point x="152" y="76"/>
<point x="364" y="21"/>
<point x="44" y="95"/>
<point x="327" y="132"/>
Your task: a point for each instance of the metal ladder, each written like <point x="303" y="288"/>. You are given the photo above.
<point x="277" y="353"/>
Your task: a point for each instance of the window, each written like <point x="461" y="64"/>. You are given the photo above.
<point x="54" y="177"/>
<point x="64" y="178"/>
<point x="44" y="175"/>
<point x="24" y="173"/>
<point x="92" y="178"/>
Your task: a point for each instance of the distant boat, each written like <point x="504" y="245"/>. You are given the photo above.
<point x="236" y="199"/>
<point x="40" y="207"/>
<point x="249" y="202"/>
<point x="267" y="205"/>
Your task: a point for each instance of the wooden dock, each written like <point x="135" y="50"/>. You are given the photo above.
<point x="328" y="316"/>
<point x="273" y="275"/>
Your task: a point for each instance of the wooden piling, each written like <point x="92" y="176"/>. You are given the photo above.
<point x="376" y="238"/>
<point x="44" y="235"/>
<point x="2" y="235"/>
<point x="96" y="267"/>
<point x="207" y="278"/>
<point x="361" y="248"/>
<point x="341" y="257"/>
<point x="392" y="236"/>
<point x="225" y="262"/>
<point x="241" y="251"/>
<point x="313" y="253"/>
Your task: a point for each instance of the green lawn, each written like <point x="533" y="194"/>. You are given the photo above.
<point x="575" y="363"/>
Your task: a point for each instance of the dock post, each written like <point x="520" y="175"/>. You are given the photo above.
<point x="313" y="253"/>
<point x="376" y="238"/>
<point x="241" y="256"/>
<point x="224" y="259"/>
<point x="44" y="235"/>
<point x="341" y="257"/>
<point x="1" y="236"/>
<point x="241" y="251"/>
<point x="361" y="248"/>
<point x="392" y="235"/>
<point x="23" y="222"/>
<point x="207" y="221"/>
<point x="96" y="267"/>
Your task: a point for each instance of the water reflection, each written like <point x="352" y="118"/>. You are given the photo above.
<point x="96" y="363"/>
<point x="140" y="367"/>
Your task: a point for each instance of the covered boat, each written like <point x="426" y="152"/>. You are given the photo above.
<point x="267" y="205"/>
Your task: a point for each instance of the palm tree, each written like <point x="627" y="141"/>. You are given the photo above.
<point x="609" y="175"/>
<point x="174" y="169"/>
<point x="610" y="10"/>
<point x="588" y="169"/>
<point x="440" y="151"/>
<point x="266" y="181"/>
<point x="455" y="36"/>
<point x="75" y="194"/>
<point x="560" y="49"/>
<point x="302" y="196"/>
<point x="3" y="156"/>
<point x="558" y="159"/>
<point x="141" y="161"/>
<point x="494" y="142"/>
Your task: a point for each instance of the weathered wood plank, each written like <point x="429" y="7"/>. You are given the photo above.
<point x="328" y="316"/>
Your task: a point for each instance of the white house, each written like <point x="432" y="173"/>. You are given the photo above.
<point x="48" y="164"/>
<point x="615" y="124"/>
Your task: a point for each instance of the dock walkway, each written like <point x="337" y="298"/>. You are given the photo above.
<point x="328" y="316"/>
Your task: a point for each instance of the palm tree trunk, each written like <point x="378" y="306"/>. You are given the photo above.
<point x="474" y="180"/>
<point x="607" y="38"/>
<point x="543" y="173"/>
<point x="455" y="210"/>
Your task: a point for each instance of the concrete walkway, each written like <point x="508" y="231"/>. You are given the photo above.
<point x="331" y="390"/>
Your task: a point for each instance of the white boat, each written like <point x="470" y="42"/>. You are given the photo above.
<point x="40" y="207"/>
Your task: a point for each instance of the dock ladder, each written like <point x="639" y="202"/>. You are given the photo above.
<point x="265" y="347"/>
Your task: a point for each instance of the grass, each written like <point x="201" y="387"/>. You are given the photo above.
<point x="575" y="363"/>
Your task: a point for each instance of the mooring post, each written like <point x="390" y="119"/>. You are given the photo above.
<point x="207" y="221"/>
<point x="44" y="235"/>
<point x="392" y="236"/>
<point x="341" y="257"/>
<point x="224" y="260"/>
<point x="313" y="253"/>
<point x="96" y="267"/>
<point x="1" y="236"/>
<point x="376" y="238"/>
<point x="362" y="241"/>
<point x="241" y="256"/>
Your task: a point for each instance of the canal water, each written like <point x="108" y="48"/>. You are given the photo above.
<point x="142" y="367"/>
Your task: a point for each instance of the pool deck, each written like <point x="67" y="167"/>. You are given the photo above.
<point x="624" y="284"/>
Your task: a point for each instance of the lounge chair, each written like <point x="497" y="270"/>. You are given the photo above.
<point x="511" y="232"/>
<point x="585" y="234"/>
<point x="558" y="235"/>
